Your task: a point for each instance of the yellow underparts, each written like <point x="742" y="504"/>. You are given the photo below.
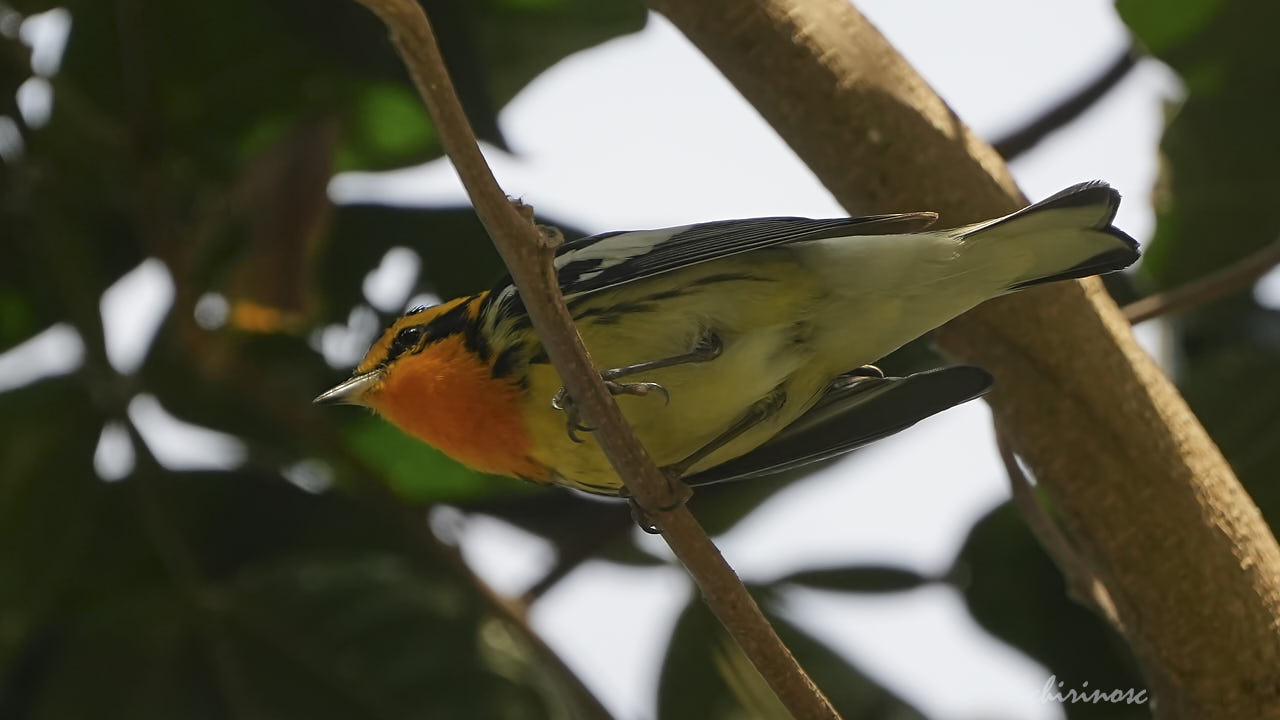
<point x="763" y="322"/>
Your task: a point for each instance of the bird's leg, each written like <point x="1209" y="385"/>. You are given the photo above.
<point x="708" y="347"/>
<point x="645" y="521"/>
<point x="679" y="491"/>
<point x="759" y="411"/>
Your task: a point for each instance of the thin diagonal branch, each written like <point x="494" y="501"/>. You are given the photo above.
<point x="528" y="254"/>
<point x="1083" y="584"/>
<point x="1213" y="286"/>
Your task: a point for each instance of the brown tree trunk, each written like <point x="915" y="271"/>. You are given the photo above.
<point x="1193" y="569"/>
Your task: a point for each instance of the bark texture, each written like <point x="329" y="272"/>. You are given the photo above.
<point x="1139" y="486"/>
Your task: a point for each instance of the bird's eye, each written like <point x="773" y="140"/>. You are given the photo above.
<point x="406" y="339"/>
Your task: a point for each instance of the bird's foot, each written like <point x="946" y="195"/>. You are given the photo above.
<point x="680" y="494"/>
<point x="563" y="402"/>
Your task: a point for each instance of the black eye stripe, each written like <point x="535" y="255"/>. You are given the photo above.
<point x="405" y="340"/>
<point x="454" y="321"/>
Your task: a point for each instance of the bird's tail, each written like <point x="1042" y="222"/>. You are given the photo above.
<point x="1069" y="235"/>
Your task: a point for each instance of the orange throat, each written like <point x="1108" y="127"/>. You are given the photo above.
<point x="448" y="397"/>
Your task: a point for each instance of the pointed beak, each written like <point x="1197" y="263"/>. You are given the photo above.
<point x="351" y="392"/>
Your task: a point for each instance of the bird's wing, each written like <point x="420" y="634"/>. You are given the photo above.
<point x="854" y="411"/>
<point x="603" y="261"/>
<point x="610" y="259"/>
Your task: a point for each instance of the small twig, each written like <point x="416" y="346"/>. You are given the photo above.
<point x="1068" y="109"/>
<point x="1082" y="584"/>
<point x="529" y="255"/>
<point x="1213" y="286"/>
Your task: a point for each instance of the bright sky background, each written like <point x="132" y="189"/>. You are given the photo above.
<point x="643" y="132"/>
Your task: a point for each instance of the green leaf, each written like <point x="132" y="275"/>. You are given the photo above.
<point x="1017" y="594"/>
<point x="1220" y="161"/>
<point x="49" y="506"/>
<point x="706" y="676"/>
<point x="17" y="322"/>
<point x="182" y="595"/>
<point x="1221" y="173"/>
<point x="418" y="472"/>
<point x="1164" y="24"/>
<point x="853" y="693"/>
<point x="390" y="123"/>
<point x="520" y="39"/>
<point x="721" y="506"/>
<point x="859" y="579"/>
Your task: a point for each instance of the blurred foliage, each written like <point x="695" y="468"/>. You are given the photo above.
<point x="1014" y="590"/>
<point x="205" y="135"/>
<point x="706" y="676"/>
<point x="1221" y="174"/>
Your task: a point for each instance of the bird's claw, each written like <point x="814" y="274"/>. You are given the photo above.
<point x="563" y="402"/>
<point x="869" y="371"/>
<point x="572" y="426"/>
<point x="573" y="420"/>
<point x="640" y="389"/>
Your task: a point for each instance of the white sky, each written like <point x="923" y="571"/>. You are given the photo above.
<point x="643" y="131"/>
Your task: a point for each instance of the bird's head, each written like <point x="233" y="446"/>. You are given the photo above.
<point x="432" y="374"/>
<point x="425" y="343"/>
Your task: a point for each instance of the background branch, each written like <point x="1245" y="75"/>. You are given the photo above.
<point x="1068" y="109"/>
<point x="1220" y="283"/>
<point x="1142" y="490"/>
<point x="528" y="254"/>
<point x="1082" y="584"/>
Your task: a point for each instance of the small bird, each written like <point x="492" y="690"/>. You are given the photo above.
<point x="735" y="348"/>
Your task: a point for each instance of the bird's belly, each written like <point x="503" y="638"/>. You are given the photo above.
<point x="706" y="400"/>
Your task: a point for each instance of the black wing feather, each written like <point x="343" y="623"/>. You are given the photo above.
<point x="853" y="413"/>
<point x="713" y="240"/>
<point x="585" y="265"/>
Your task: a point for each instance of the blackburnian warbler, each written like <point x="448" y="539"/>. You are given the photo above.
<point x="735" y="348"/>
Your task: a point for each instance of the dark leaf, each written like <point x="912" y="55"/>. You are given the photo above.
<point x="1221" y="174"/>
<point x="232" y="594"/>
<point x="418" y="472"/>
<point x="1017" y="594"/>
<point x="859" y="579"/>
<point x="706" y="676"/>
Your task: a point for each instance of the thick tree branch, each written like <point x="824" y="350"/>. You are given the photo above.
<point x="1143" y="492"/>
<point x="528" y="254"/>
<point x="1068" y="109"/>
